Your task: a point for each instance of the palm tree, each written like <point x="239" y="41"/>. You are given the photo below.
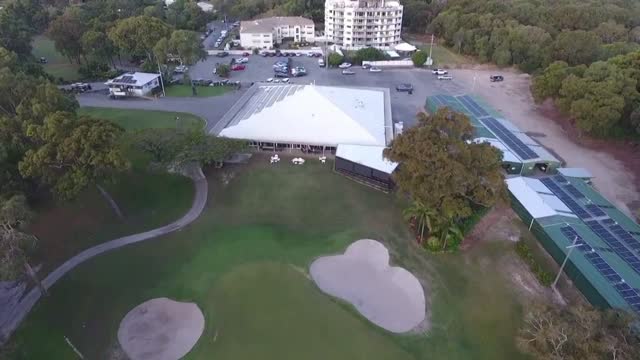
<point x="422" y="214"/>
<point x="450" y="232"/>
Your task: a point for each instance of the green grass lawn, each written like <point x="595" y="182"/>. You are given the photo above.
<point x="244" y="263"/>
<point x="147" y="199"/>
<point x="58" y="65"/>
<point x="201" y="91"/>
<point x="132" y="120"/>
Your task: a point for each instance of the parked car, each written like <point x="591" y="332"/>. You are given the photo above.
<point x="246" y="54"/>
<point x="280" y="74"/>
<point x="366" y="66"/>
<point x="439" y="72"/>
<point x="238" y="67"/>
<point x="242" y="60"/>
<point x="80" y="87"/>
<point x="496" y="78"/>
<point x="43" y="60"/>
<point x="344" y="65"/>
<point x="269" y="79"/>
<point x="222" y="54"/>
<point x="348" y="72"/>
<point x="299" y="71"/>
<point x="374" y="69"/>
<point x="321" y="62"/>
<point x="264" y="54"/>
<point x="445" y="77"/>
<point x="285" y="80"/>
<point x="180" y="69"/>
<point x="404" y="87"/>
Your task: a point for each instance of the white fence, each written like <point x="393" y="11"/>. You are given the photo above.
<point x="390" y="63"/>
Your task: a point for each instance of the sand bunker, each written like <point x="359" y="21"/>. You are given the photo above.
<point x="160" y="329"/>
<point x="390" y="297"/>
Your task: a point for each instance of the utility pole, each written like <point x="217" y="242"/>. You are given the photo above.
<point x="570" y="247"/>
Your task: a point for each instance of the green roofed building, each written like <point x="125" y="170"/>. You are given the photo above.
<point x="562" y="210"/>
<point x="521" y="154"/>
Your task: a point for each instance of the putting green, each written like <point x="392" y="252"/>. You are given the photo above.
<point x="273" y="311"/>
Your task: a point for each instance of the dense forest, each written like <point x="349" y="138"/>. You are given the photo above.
<point x="584" y="54"/>
<point x="533" y="33"/>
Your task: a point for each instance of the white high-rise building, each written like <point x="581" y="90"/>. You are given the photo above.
<point x="354" y="24"/>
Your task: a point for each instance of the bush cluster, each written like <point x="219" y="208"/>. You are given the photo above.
<point x="524" y="251"/>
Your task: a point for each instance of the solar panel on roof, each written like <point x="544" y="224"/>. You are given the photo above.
<point x="574" y="191"/>
<point x="595" y="210"/>
<point x="560" y="179"/>
<point x="625" y="236"/>
<point x="608" y="221"/>
<point x="509" y="139"/>
<point x="618" y="247"/>
<point x="469" y="101"/>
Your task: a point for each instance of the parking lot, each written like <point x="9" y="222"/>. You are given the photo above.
<point x="216" y="27"/>
<point x="404" y="106"/>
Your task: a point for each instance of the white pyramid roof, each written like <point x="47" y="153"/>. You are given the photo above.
<point x="316" y="115"/>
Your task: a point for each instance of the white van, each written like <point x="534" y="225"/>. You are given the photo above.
<point x="321" y="62"/>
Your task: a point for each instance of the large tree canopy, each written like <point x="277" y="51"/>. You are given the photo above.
<point x="186" y="45"/>
<point x="72" y="152"/>
<point x="600" y="97"/>
<point x="442" y="168"/>
<point x="139" y="34"/>
<point x="66" y="31"/>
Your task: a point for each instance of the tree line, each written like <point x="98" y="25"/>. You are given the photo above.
<point x="531" y="34"/>
<point x="602" y="98"/>
<point x="96" y="32"/>
<point x="584" y="55"/>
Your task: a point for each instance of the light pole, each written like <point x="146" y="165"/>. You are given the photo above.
<point x="570" y="247"/>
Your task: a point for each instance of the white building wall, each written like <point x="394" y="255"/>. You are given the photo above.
<point x="256" y="40"/>
<point x="358" y="24"/>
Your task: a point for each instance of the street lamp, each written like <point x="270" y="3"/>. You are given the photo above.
<point x="570" y="247"/>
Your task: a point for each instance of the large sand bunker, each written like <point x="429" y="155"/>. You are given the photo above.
<point x="390" y="297"/>
<point x="160" y="329"/>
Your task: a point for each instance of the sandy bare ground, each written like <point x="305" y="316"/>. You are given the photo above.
<point x="513" y="99"/>
<point x="160" y="329"/>
<point x="390" y="297"/>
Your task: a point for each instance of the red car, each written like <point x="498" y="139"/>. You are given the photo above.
<point x="237" y="67"/>
<point x="245" y="54"/>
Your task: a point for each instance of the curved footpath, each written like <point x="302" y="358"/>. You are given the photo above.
<point x="12" y="316"/>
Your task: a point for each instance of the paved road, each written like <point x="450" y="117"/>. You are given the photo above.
<point x="210" y="108"/>
<point x="12" y="316"/>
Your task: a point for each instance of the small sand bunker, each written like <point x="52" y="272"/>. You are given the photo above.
<point x="160" y="329"/>
<point x="390" y="297"/>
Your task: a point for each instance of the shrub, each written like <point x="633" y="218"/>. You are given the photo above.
<point x="334" y="59"/>
<point x="419" y="58"/>
<point x="369" y="54"/>
<point x="223" y="70"/>
<point x="94" y="70"/>
<point x="524" y="251"/>
<point x="255" y="51"/>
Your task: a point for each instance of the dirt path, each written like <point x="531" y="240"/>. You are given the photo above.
<point x="12" y="315"/>
<point x="479" y="232"/>
<point x="615" y="179"/>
